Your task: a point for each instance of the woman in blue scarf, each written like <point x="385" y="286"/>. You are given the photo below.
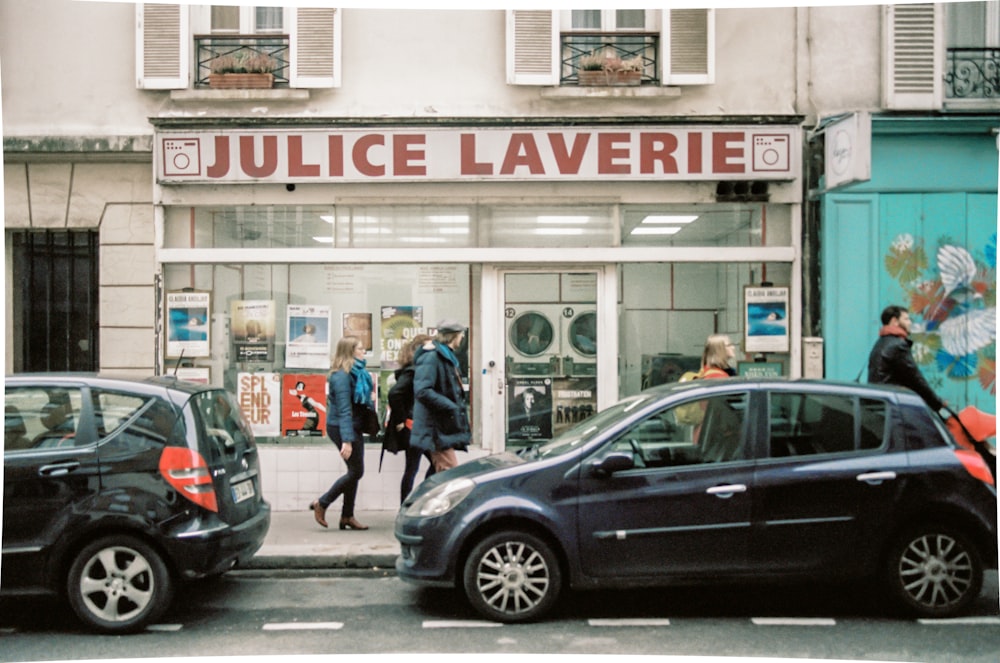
<point x="349" y="403"/>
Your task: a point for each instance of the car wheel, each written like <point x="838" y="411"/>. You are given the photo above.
<point x="512" y="577"/>
<point x="934" y="571"/>
<point x="118" y="584"/>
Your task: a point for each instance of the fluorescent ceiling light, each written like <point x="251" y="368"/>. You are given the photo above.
<point x="558" y="231"/>
<point x="668" y="218"/>
<point x="327" y="217"/>
<point x="655" y="230"/>
<point x="453" y="231"/>
<point x="423" y="240"/>
<point x="453" y="218"/>
<point x="323" y="240"/>
<point x="564" y="220"/>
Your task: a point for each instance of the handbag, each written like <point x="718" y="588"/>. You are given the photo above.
<point x="370" y="424"/>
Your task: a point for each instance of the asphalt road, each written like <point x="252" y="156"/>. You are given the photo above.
<point x="278" y="614"/>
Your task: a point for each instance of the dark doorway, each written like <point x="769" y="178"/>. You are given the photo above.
<point x="55" y="283"/>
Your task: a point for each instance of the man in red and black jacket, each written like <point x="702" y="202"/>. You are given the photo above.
<point x="891" y="359"/>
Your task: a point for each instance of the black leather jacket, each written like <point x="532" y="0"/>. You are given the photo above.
<point x="891" y="362"/>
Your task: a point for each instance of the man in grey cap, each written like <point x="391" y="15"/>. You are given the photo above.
<point x="440" y="413"/>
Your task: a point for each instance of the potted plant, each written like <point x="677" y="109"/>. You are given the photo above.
<point x="609" y="69"/>
<point x="243" y="70"/>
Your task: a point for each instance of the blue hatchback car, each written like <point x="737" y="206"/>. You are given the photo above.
<point x="715" y="481"/>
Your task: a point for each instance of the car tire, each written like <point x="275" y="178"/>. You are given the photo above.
<point x="118" y="584"/>
<point x="512" y="577"/>
<point x="933" y="571"/>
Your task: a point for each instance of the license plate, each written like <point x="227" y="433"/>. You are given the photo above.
<point x="243" y="491"/>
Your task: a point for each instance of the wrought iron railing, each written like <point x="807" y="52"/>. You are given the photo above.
<point x="625" y="45"/>
<point x="210" y="47"/>
<point x="972" y="73"/>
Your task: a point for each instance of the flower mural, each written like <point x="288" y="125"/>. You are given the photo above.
<point x="956" y="300"/>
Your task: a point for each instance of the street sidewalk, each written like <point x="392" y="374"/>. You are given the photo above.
<point x="296" y="541"/>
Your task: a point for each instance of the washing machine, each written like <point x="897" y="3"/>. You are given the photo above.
<point x="534" y="339"/>
<point x="579" y="339"/>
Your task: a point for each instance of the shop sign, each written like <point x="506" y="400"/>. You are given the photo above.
<point x="848" y="150"/>
<point x="710" y="152"/>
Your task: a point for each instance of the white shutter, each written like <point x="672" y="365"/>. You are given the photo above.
<point x="315" y="47"/>
<point x="688" y="46"/>
<point x="532" y="47"/>
<point x="914" y="57"/>
<point x="162" y="47"/>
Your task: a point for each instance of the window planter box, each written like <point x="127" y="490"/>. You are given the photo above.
<point x="240" y="81"/>
<point x="589" y="77"/>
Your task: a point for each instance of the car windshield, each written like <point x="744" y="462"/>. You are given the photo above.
<point x="584" y="431"/>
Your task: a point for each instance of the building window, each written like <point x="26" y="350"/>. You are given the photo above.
<point x="972" y="70"/>
<point x="612" y="35"/>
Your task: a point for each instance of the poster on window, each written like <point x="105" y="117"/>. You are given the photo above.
<point x="188" y="324"/>
<point x="359" y="325"/>
<point x="399" y="324"/>
<point x="574" y="400"/>
<point x="195" y="374"/>
<point x="529" y="409"/>
<point x="252" y="324"/>
<point x="765" y="321"/>
<point x="308" y="337"/>
<point x="259" y="396"/>
<point x="303" y="405"/>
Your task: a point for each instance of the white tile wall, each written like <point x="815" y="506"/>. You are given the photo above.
<point x="292" y="477"/>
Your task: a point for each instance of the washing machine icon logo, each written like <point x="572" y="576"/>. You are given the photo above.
<point x="181" y="157"/>
<point x="771" y="152"/>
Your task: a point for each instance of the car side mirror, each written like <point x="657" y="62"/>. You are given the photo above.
<point x="613" y="462"/>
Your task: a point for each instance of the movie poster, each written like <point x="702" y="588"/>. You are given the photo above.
<point x="188" y="324"/>
<point x="574" y="400"/>
<point x="359" y="325"/>
<point x="252" y="326"/>
<point x="400" y="324"/>
<point x="303" y="405"/>
<point x="308" y="337"/>
<point x="529" y="409"/>
<point x="766" y="319"/>
<point x="259" y="396"/>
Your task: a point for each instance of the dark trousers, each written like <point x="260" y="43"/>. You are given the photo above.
<point x="413" y="456"/>
<point x="347" y="484"/>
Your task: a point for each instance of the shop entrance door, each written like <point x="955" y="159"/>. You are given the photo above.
<point x="553" y="329"/>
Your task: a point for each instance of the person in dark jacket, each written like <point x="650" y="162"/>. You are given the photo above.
<point x="401" y="413"/>
<point x="440" y="417"/>
<point x="891" y="359"/>
<point x="350" y="390"/>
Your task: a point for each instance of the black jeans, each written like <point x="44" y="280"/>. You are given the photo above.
<point x="347" y="484"/>
<point x="413" y="456"/>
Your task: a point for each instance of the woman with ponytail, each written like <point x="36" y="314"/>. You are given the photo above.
<point x="349" y="405"/>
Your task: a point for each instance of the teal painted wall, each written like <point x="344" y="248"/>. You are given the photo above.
<point x="922" y="233"/>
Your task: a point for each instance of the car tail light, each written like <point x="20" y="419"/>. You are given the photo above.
<point x="188" y="473"/>
<point x="975" y="465"/>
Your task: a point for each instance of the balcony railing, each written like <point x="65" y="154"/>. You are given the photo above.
<point x="625" y="45"/>
<point x="209" y="47"/>
<point x="972" y="73"/>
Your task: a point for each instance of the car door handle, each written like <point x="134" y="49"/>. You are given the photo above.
<point x="58" y="469"/>
<point x="728" y="490"/>
<point x="875" y="478"/>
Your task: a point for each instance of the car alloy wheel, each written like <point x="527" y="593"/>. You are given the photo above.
<point x="935" y="571"/>
<point x="118" y="584"/>
<point x="512" y="577"/>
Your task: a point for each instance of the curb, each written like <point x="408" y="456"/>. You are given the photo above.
<point x="273" y="561"/>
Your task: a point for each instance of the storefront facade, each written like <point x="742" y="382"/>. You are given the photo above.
<point x="589" y="262"/>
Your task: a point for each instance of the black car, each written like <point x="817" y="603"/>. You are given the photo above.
<point x="115" y="490"/>
<point x="715" y="481"/>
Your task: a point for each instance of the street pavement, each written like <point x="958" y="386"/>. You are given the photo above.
<point x="296" y="541"/>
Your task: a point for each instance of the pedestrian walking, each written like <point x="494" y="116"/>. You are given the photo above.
<point x="400" y="422"/>
<point x="440" y="414"/>
<point x="891" y="359"/>
<point x="350" y="408"/>
<point x="716" y="358"/>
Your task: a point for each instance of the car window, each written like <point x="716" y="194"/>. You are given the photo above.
<point x="224" y="427"/>
<point x="131" y="421"/>
<point x="705" y="430"/>
<point x="805" y="424"/>
<point x="41" y="417"/>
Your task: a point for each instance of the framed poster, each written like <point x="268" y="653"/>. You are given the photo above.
<point x="760" y="369"/>
<point x="253" y="328"/>
<point x="529" y="409"/>
<point x="259" y="396"/>
<point x="303" y="406"/>
<point x="765" y="319"/>
<point x="359" y="325"/>
<point x="399" y="325"/>
<point x="308" y="337"/>
<point x="188" y="323"/>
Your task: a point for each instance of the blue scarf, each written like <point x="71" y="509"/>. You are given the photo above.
<point x="363" y="386"/>
<point x="447" y="352"/>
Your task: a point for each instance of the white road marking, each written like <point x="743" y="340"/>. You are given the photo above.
<point x="304" y="626"/>
<point x="961" y="620"/>
<point x="793" y="621"/>
<point x="459" y="623"/>
<point x="164" y="627"/>
<point x="652" y="621"/>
